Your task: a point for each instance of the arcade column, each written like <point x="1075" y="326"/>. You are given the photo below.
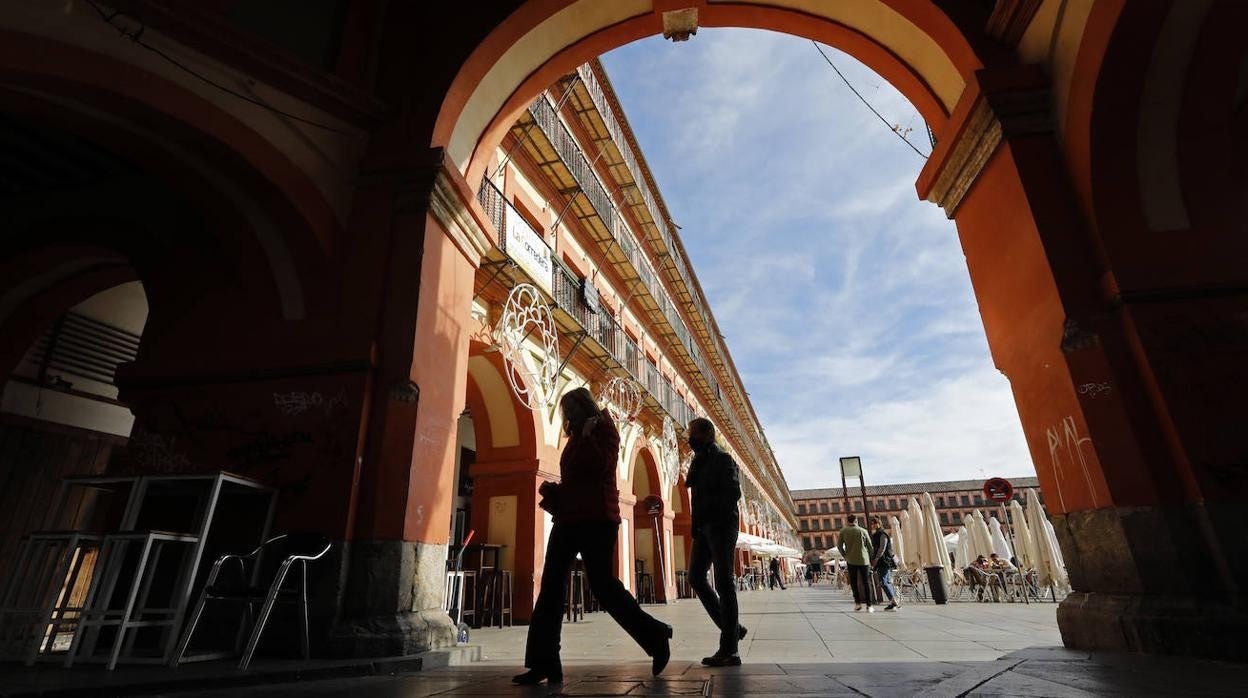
<point x="1144" y="559"/>
<point x="429" y="243"/>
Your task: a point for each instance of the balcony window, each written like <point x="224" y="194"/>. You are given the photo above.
<point x="966" y="500"/>
<point x="823" y="507"/>
<point x="801" y="508"/>
<point x="836" y="507"/>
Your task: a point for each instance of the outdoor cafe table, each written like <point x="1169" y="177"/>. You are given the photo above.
<point x="135" y="532"/>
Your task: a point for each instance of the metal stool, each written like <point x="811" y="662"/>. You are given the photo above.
<point x="461" y="588"/>
<point x="645" y="584"/>
<point x="575" y="605"/>
<point x="505" y="595"/>
<point x="47" y="590"/>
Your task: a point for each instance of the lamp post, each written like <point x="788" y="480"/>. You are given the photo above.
<point x="851" y="466"/>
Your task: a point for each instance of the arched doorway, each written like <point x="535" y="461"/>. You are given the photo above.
<point x="651" y="543"/>
<point x="503" y="460"/>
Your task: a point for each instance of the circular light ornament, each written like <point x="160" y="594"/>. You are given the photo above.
<point x="622" y="397"/>
<point x="525" y="316"/>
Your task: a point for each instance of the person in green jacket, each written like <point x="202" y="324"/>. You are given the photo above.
<point x="855" y="546"/>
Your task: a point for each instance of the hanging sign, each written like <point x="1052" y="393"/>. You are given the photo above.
<point x="998" y="489"/>
<point x="527" y="248"/>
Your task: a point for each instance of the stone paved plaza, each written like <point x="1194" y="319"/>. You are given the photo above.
<point x="809" y="642"/>
<point x="805" y="624"/>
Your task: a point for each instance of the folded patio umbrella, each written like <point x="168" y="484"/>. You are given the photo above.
<point x="1048" y="564"/>
<point x="962" y="556"/>
<point x="899" y="539"/>
<point x="1024" y="538"/>
<point x="914" y="531"/>
<point x="934" y="542"/>
<point x="1000" y="545"/>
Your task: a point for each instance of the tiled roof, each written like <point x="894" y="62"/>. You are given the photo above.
<point x="909" y="488"/>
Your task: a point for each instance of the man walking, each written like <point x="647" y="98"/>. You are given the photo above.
<point x="774" y="567"/>
<point x="855" y="546"/>
<point x="716" y="487"/>
<point x="883" y="561"/>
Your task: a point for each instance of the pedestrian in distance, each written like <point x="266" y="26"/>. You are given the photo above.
<point x="855" y="546"/>
<point x="715" y="484"/>
<point x="585" y="506"/>
<point x="883" y="561"/>
<point x="774" y="567"/>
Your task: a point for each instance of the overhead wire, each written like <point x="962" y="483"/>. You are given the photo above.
<point x="864" y="100"/>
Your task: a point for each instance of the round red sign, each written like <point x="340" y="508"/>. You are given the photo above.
<point x="653" y="504"/>
<point x="998" y="489"/>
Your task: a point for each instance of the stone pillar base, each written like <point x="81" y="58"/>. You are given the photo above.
<point x="394" y="635"/>
<point x="1205" y="627"/>
<point x="392" y="605"/>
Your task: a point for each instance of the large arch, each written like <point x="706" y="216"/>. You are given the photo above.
<point x="1021" y="102"/>
<point x="917" y="47"/>
<point x="265" y="203"/>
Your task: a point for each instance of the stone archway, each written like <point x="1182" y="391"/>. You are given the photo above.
<point x="511" y="461"/>
<point x="1008" y="91"/>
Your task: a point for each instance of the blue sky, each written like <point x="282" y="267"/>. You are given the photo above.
<point x="844" y="299"/>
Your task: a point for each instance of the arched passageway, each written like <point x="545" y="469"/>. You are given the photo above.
<point x="311" y="320"/>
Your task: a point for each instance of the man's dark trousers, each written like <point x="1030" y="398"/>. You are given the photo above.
<point x="716" y="544"/>
<point x="860" y="582"/>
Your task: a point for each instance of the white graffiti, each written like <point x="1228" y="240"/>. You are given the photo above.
<point x="1066" y="446"/>
<point x="1095" y="390"/>
<point x="297" y="402"/>
<point x="157" y="452"/>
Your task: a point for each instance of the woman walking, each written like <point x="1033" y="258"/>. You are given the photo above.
<point x="586" y="510"/>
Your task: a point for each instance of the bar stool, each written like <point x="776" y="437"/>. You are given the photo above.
<point x="505" y="596"/>
<point x="461" y="588"/>
<point x="682" y="584"/>
<point x="645" y="583"/>
<point x="575" y="606"/>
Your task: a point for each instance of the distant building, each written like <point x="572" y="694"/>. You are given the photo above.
<point x="822" y="512"/>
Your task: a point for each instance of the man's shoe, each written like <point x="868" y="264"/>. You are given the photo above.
<point x="718" y="659"/>
<point x="741" y="631"/>
<point x="870" y="609"/>
<point x="891" y="607"/>
<point x="857" y="607"/>
<point x="663" y="652"/>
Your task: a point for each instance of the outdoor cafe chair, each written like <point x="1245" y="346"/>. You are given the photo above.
<point x="293" y="549"/>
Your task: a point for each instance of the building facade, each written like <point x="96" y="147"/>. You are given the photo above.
<point x="821" y="513"/>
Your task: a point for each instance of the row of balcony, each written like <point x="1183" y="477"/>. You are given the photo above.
<point x="597" y="95"/>
<point x="566" y="147"/>
<point x="576" y="297"/>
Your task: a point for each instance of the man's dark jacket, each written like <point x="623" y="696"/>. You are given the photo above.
<point x="716" y="484"/>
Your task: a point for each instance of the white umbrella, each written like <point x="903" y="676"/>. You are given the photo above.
<point x="934" y="542"/>
<point x="914" y="534"/>
<point x="899" y="539"/>
<point x="1024" y="539"/>
<point x="962" y="556"/>
<point x="1048" y="558"/>
<point x="1000" y="545"/>
<point x="951" y="542"/>
<point x="975" y="544"/>
<point x="980" y="535"/>
<point x="1057" y="549"/>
